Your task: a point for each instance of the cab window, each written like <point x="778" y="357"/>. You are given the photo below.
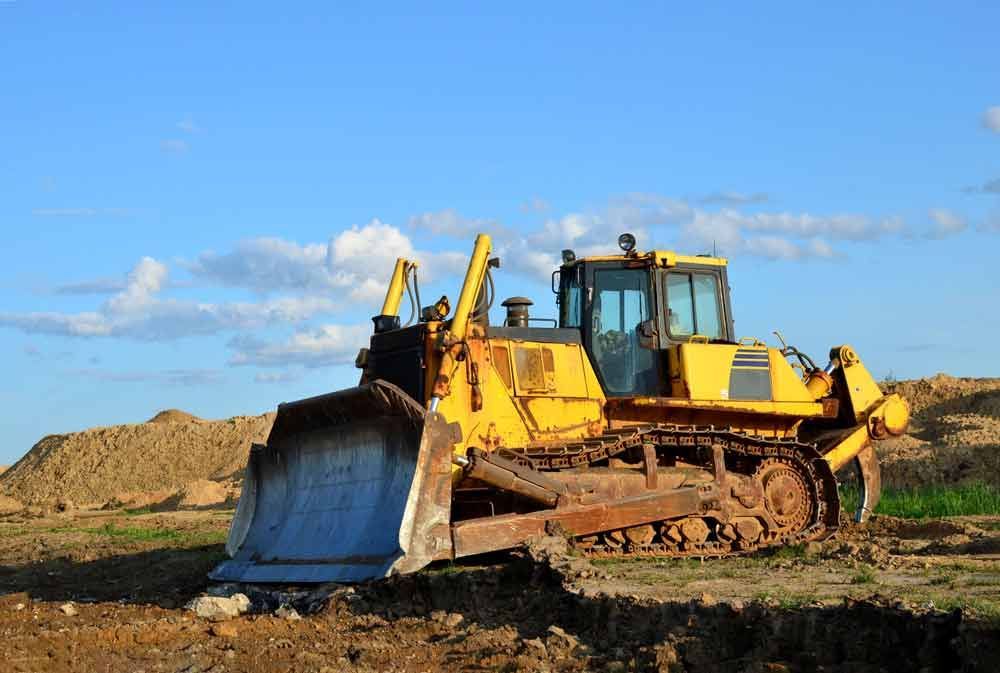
<point x="571" y="297"/>
<point x="693" y="305"/>
<point x="621" y="302"/>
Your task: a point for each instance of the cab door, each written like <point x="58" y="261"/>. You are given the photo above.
<point x="619" y="299"/>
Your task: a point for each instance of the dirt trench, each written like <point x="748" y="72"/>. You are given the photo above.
<point x="524" y="603"/>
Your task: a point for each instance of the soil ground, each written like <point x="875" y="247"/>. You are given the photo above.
<point x="896" y="595"/>
<point x="102" y="588"/>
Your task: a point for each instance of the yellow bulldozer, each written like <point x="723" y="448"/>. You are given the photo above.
<point x="638" y="423"/>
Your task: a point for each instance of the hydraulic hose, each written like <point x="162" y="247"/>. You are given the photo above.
<point x="409" y="293"/>
<point x="416" y="291"/>
<point x="490" y="295"/>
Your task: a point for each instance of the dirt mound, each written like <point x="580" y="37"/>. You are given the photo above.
<point x="101" y="464"/>
<point x="198" y="494"/>
<point x="9" y="505"/>
<point x="139" y="499"/>
<point x="957" y="395"/>
<point x="954" y="434"/>
<point x="885" y="540"/>
<point x="174" y="416"/>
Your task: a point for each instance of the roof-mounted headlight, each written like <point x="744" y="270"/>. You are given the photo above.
<point x="626" y="242"/>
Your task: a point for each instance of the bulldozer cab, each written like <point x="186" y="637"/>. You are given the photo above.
<point x="634" y="311"/>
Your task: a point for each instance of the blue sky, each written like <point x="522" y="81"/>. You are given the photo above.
<point x="201" y="204"/>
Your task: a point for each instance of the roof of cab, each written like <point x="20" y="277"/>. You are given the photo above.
<point x="660" y="258"/>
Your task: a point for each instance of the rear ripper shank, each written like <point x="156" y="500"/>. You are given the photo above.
<point x="639" y="425"/>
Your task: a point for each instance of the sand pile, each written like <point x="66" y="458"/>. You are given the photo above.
<point x="159" y="457"/>
<point x="954" y="434"/>
<point x="174" y="416"/>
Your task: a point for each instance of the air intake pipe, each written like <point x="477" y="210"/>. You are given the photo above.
<point x="517" y="311"/>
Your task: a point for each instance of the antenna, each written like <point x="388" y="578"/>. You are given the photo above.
<point x="713" y="248"/>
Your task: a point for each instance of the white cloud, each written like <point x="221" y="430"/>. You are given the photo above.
<point x="36" y="353"/>
<point x="661" y="221"/>
<point x="892" y="226"/>
<point x="729" y="232"/>
<point x="640" y="210"/>
<point x="535" y="205"/>
<point x="357" y="261"/>
<point x="991" y="224"/>
<point x="991" y="118"/>
<point x="734" y="199"/>
<point x="93" y="286"/>
<point x="174" y="146"/>
<point x="817" y="247"/>
<point x="276" y="377"/>
<point x="145" y="280"/>
<point x="375" y="245"/>
<point x="267" y="265"/>
<point x="773" y="247"/>
<point x="138" y="312"/>
<point x="175" y="377"/>
<point x="81" y="212"/>
<point x="566" y="230"/>
<point x="188" y="125"/>
<point x="449" y="222"/>
<point x="324" y="346"/>
<point x="946" y="223"/>
<point x="988" y="187"/>
<point x="851" y="227"/>
<point x="300" y="281"/>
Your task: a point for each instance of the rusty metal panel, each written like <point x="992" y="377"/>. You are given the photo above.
<point x="531" y="374"/>
<point x="501" y="362"/>
<point x="503" y="532"/>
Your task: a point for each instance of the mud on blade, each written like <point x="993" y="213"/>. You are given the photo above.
<point x="350" y="486"/>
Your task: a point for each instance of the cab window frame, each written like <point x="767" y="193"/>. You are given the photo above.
<point x="723" y="316"/>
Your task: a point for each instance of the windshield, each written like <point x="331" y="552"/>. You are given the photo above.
<point x="621" y="301"/>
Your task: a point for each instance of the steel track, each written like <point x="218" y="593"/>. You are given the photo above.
<point x="804" y="458"/>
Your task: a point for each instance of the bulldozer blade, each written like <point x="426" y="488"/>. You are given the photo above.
<point x="351" y="486"/>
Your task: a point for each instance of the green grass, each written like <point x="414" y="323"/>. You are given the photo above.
<point x="786" y="600"/>
<point x="932" y="501"/>
<point x="865" y="575"/>
<point x="205" y="537"/>
<point x="789" y="552"/>
<point x="446" y="568"/>
<point x="985" y="610"/>
<point x="136" y="533"/>
<point x="139" y="534"/>
<point x="12" y="532"/>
